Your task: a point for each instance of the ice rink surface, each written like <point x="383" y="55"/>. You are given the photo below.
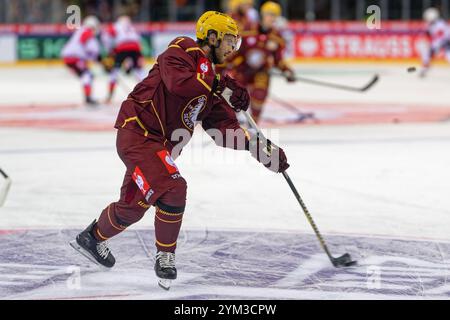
<point x="373" y="170"/>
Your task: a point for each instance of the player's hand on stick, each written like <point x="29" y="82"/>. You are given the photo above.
<point x="239" y="99"/>
<point x="269" y="154"/>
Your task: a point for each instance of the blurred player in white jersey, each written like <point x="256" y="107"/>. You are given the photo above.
<point x="123" y="42"/>
<point x="438" y="33"/>
<point x="82" y="48"/>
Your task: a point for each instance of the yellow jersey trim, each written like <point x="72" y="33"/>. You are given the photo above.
<point x="159" y="119"/>
<point x="166" y="245"/>
<point x="138" y="122"/>
<point x="203" y="82"/>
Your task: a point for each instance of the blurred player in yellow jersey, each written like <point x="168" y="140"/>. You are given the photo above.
<point x="262" y="48"/>
<point x="243" y="12"/>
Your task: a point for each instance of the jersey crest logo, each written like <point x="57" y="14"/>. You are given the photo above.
<point x="192" y="110"/>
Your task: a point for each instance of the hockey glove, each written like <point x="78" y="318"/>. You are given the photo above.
<point x="239" y="99"/>
<point x="289" y="75"/>
<point x="269" y="154"/>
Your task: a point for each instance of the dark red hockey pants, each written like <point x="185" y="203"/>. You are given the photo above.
<point x="151" y="178"/>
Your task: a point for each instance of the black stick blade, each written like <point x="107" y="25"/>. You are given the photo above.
<point x="344" y="261"/>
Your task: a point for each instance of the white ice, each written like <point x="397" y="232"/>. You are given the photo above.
<point x="379" y="180"/>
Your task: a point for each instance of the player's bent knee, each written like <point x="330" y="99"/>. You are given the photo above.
<point x="169" y="209"/>
<point x="175" y="195"/>
<point x="127" y="214"/>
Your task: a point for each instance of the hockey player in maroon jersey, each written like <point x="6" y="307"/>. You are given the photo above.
<point x="438" y="32"/>
<point x="243" y="12"/>
<point x="245" y="15"/>
<point x="181" y="89"/>
<point x="262" y="48"/>
<point x="81" y="49"/>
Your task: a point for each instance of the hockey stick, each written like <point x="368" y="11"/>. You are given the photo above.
<point x="366" y="87"/>
<point x="342" y="261"/>
<point x="5" y="189"/>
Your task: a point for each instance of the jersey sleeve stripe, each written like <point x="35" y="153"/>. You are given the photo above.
<point x="203" y="82"/>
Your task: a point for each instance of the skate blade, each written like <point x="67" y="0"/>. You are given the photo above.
<point x="165" y="283"/>
<point x="86" y="254"/>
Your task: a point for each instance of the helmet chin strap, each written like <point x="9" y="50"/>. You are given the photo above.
<point x="213" y="52"/>
<point x="213" y="48"/>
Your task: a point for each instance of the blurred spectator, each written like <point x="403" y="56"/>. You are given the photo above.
<point x="54" y="11"/>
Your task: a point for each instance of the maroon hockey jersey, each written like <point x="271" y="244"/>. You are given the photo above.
<point x="177" y="95"/>
<point x="260" y="51"/>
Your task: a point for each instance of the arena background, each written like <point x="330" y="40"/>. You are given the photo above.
<point x="372" y="167"/>
<point x="317" y="30"/>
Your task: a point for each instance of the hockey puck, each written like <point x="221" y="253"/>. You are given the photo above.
<point x="412" y="69"/>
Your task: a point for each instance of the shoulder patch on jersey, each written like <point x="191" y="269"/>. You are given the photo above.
<point x="204" y="66"/>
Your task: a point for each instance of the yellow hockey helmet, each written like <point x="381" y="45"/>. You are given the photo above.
<point x="233" y="5"/>
<point x="216" y="21"/>
<point x="271" y="7"/>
